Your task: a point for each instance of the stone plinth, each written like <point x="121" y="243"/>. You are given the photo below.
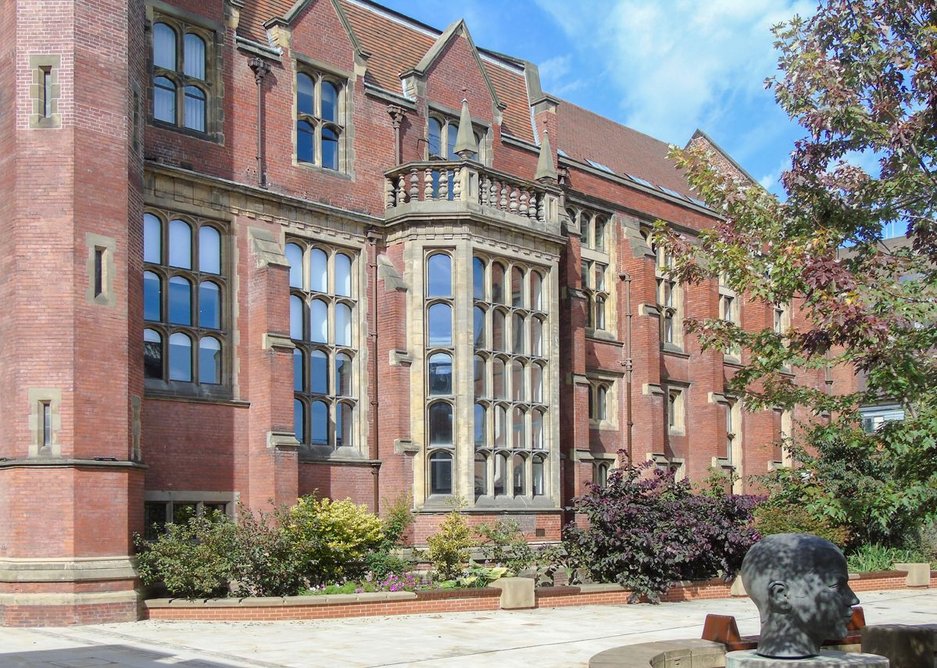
<point x="516" y="593"/>
<point x="826" y="659"/>
<point x="905" y="646"/>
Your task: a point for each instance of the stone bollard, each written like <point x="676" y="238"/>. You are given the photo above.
<point x="918" y="574"/>
<point x="516" y="593"/>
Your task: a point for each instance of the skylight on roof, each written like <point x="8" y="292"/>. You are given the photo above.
<point x="699" y="202"/>
<point x="643" y="182"/>
<point x="674" y="193"/>
<point x="599" y="165"/>
<point x="561" y="152"/>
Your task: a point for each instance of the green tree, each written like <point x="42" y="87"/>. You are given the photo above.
<point x="860" y="77"/>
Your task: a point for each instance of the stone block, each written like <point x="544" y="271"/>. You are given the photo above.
<point x="918" y="574"/>
<point x="826" y="659"/>
<point x="516" y="593"/>
<point x="906" y="646"/>
<point x="738" y="589"/>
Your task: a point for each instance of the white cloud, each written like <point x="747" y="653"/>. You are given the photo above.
<point x="679" y="64"/>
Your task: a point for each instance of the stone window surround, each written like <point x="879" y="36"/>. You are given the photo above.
<point x="356" y="451"/>
<point x="105" y="247"/>
<point x="38" y="398"/>
<point x="675" y="407"/>
<point x="194" y="389"/>
<point x="730" y="311"/>
<point x="594" y="254"/>
<point x="464" y="246"/>
<point x="449" y="119"/>
<point x="213" y="34"/>
<point x="609" y="381"/>
<point x="45" y="91"/>
<point x="344" y="82"/>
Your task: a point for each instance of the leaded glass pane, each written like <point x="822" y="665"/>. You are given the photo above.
<point x="298" y="370"/>
<point x="481" y="389"/>
<point x="501" y="470"/>
<point x="318" y="321"/>
<point x="180" y="357"/>
<point x="305" y="94"/>
<point x="536" y="291"/>
<point x="329" y="102"/>
<point x="536" y="429"/>
<point x="319" y="427"/>
<point x="452" y="132"/>
<point x="439" y="275"/>
<point x="152" y="297"/>
<point x="152" y="354"/>
<point x="209" y="360"/>
<point x="497" y="283"/>
<point x="440" y="325"/>
<point x="195" y="108"/>
<point x="536" y="336"/>
<point x="329" y="148"/>
<point x="318" y="372"/>
<point x="164" y="46"/>
<point x="440" y="424"/>
<point x="517" y="381"/>
<point x="343" y="425"/>
<point x="518" y="429"/>
<point x="520" y="471"/>
<point x="305" y="142"/>
<point x="294" y="255"/>
<point x="434" y="137"/>
<point x="501" y="418"/>
<point x="440" y="473"/>
<point x="536" y="382"/>
<point x="440" y="373"/>
<point x="537" y="475"/>
<point x="318" y="270"/>
<point x="342" y="325"/>
<point x="497" y="330"/>
<point x="180" y="244"/>
<point x="194" y="57"/>
<point x="180" y="301"/>
<point x="209" y="250"/>
<point x="517" y="334"/>
<point x="209" y="305"/>
<point x="152" y="239"/>
<point x="481" y="475"/>
<point x="517" y="287"/>
<point x="478" y="278"/>
<point x="296" y="317"/>
<point x="342" y="275"/>
<point x="498" y="379"/>
<point x="343" y="375"/>
<point x="479" y="418"/>
<point x="478" y="316"/>
<point x="164" y="100"/>
<point x="299" y="420"/>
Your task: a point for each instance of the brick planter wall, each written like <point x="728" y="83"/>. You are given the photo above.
<point x="447" y="600"/>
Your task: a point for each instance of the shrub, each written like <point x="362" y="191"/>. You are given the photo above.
<point x="872" y="557"/>
<point x="448" y="547"/>
<point x="190" y="559"/>
<point x="265" y="559"/>
<point x="502" y="543"/>
<point x="332" y="538"/>
<point x="646" y="532"/>
<point x="398" y="519"/>
<point x="774" y="517"/>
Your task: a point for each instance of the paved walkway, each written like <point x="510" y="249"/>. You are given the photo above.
<point x="560" y="638"/>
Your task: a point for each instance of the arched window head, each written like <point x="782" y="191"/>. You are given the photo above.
<point x="440" y="423"/>
<point x="439" y="275"/>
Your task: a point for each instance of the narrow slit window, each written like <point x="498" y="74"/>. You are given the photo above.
<point x="45" y="409"/>
<point x="45" y="92"/>
<point x="99" y="267"/>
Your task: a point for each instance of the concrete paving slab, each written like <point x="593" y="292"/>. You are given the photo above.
<point x="545" y="638"/>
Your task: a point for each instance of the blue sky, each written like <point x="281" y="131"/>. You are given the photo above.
<point x="663" y="67"/>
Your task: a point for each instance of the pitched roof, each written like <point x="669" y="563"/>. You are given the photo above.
<point x="397" y="43"/>
<point x="585" y="136"/>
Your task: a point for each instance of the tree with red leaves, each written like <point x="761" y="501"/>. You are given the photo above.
<point x="860" y="77"/>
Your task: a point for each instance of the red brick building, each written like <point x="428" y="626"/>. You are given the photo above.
<point x="260" y="249"/>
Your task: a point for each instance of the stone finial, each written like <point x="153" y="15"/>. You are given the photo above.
<point x="465" y="145"/>
<point x="545" y="169"/>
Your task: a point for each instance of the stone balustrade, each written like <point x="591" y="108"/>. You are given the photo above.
<point x="428" y="186"/>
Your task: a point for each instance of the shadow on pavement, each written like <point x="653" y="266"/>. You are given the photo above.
<point x="100" y="655"/>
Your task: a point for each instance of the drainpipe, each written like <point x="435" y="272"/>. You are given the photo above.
<point x="373" y="449"/>
<point x="261" y="69"/>
<point x="628" y="363"/>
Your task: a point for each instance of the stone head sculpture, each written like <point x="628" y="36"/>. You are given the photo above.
<point x="801" y="587"/>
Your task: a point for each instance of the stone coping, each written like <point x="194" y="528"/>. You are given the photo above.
<point x="323" y="599"/>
